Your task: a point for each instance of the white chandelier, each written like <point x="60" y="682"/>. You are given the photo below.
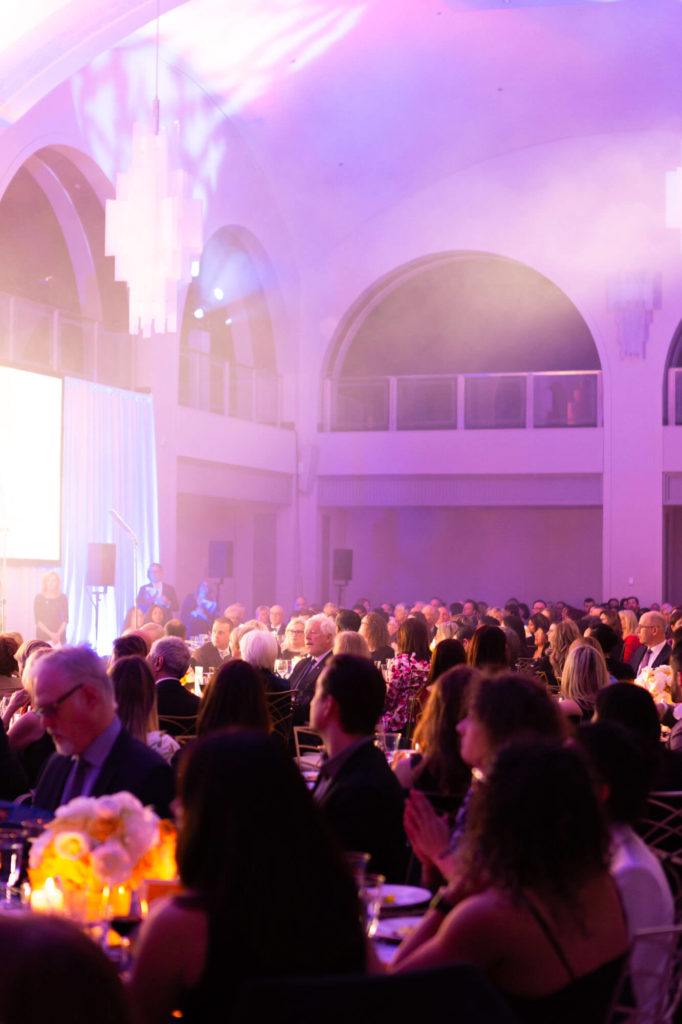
<point x="673" y="203"/>
<point x="153" y="229"/>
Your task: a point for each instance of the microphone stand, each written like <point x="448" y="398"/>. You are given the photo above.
<point x="120" y="521"/>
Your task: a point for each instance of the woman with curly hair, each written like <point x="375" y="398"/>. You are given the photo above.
<point x="537" y="910"/>
<point x="408" y="674"/>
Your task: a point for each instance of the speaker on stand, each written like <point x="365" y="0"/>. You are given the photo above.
<point x="220" y="563"/>
<point x="342" y="570"/>
<point x="100" y="573"/>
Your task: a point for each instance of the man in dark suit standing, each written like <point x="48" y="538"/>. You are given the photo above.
<point x="320" y="631"/>
<point x="169" y="660"/>
<point x="356" y="790"/>
<point x="95" y="754"/>
<point x="653" y="650"/>
<point x="157" y="592"/>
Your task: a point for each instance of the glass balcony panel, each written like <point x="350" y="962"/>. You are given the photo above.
<point x="496" y="403"/>
<point x="565" y="400"/>
<point x="361" y="405"/>
<point x="427" y="403"/>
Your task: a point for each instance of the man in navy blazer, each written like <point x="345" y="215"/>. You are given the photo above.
<point x="358" y="793"/>
<point x="95" y="754"/>
<point x="654" y="649"/>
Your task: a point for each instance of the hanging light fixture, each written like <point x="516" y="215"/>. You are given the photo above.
<point x="153" y="227"/>
<point x="673" y="200"/>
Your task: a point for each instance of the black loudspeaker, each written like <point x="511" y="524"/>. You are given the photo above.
<point x="101" y="567"/>
<point x="342" y="565"/>
<point x="220" y="557"/>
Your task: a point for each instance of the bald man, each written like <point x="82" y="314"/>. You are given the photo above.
<point x="653" y="649"/>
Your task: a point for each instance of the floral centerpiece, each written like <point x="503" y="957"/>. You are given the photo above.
<point x="658" y="681"/>
<point x="96" y="844"/>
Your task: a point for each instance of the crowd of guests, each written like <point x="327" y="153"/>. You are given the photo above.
<point x="528" y="755"/>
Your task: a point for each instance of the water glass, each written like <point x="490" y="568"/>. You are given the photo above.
<point x="11" y="862"/>
<point x="371" y="895"/>
<point x="389" y="742"/>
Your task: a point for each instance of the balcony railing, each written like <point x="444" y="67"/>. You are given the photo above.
<point x="228" y="389"/>
<point x="38" y="337"/>
<point x="675" y="397"/>
<point x="465" y="401"/>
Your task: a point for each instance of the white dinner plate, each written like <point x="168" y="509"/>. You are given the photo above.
<point x="395" y="929"/>
<point x="403" y="896"/>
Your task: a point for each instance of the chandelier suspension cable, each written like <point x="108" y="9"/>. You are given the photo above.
<point x="156" y="104"/>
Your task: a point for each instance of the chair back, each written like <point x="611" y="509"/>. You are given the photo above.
<point x="307" y="745"/>
<point x="182" y="728"/>
<point x="650" y="989"/>
<point x="661" y="824"/>
<point x="280" y="707"/>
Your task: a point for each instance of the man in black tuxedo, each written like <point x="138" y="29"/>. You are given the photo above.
<point x="157" y="592"/>
<point x="169" y="660"/>
<point x="319" y="637"/>
<point x="356" y="790"/>
<point x="654" y="649"/>
<point x="95" y="754"/>
<point x="217" y="650"/>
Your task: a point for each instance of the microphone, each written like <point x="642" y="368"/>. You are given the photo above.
<point x="118" y="518"/>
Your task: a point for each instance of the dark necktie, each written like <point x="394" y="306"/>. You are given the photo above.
<point x="302" y="695"/>
<point x="646" y="659"/>
<point x="76" y="780"/>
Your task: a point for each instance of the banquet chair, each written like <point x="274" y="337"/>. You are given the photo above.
<point x="370" y="999"/>
<point x="307" y="745"/>
<point x="661" y="824"/>
<point x="182" y="728"/>
<point x="650" y="993"/>
<point x="281" y="713"/>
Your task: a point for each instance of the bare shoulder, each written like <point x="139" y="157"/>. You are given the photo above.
<point x="480" y="927"/>
<point x="177" y="931"/>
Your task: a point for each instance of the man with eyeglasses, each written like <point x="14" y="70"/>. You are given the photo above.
<point x="653" y="649"/>
<point x="95" y="754"/>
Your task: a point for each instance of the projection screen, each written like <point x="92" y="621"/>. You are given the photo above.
<point x="30" y="466"/>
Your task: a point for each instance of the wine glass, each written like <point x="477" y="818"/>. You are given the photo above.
<point x="11" y="863"/>
<point x="371" y="895"/>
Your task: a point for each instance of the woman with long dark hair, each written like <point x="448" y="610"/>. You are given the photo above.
<point x="266" y="893"/>
<point x="541" y="916"/>
<point x="488" y="650"/>
<point x="135" y="692"/>
<point x="235" y="697"/>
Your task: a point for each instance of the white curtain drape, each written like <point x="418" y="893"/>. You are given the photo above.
<point x="109" y="463"/>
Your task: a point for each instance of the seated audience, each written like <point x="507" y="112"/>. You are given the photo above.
<point x="135" y="694"/>
<point x="156" y="614"/>
<point x="446" y="655"/>
<point x="214" y="652"/>
<point x="540" y="664"/>
<point x="320" y="631"/>
<point x="266" y="894"/>
<point x="374" y="628"/>
<point x="235" y="697"/>
<point x="135" y="618"/>
<point x="26" y="733"/>
<point x="293" y="644"/>
<point x="348" y="619"/>
<point x="611" y="646"/>
<point x="583" y="677"/>
<point x="634" y="707"/>
<point x="277" y="623"/>
<point x="239" y="631"/>
<point x="54" y="974"/>
<point x="488" y="649"/>
<point x="408" y="675"/>
<point x="127" y="646"/>
<point x="169" y="661"/>
<point x="653" y="649"/>
<point x="438" y="768"/>
<point x="358" y="793"/>
<point x="9" y="668"/>
<point x="500" y="708"/>
<point x="350" y="642"/>
<point x="260" y="649"/>
<point x="95" y="754"/>
<point x="174" y="627"/>
<point x="541" y="916"/>
<point x="561" y="635"/>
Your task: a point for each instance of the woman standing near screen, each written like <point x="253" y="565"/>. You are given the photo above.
<point x="51" y="610"/>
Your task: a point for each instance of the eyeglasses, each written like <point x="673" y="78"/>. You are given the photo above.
<point x="50" y="710"/>
<point x="645" y="627"/>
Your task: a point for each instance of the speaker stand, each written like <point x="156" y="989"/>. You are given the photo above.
<point x="96" y="595"/>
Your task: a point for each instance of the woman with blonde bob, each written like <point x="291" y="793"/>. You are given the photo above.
<point x="584" y="675"/>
